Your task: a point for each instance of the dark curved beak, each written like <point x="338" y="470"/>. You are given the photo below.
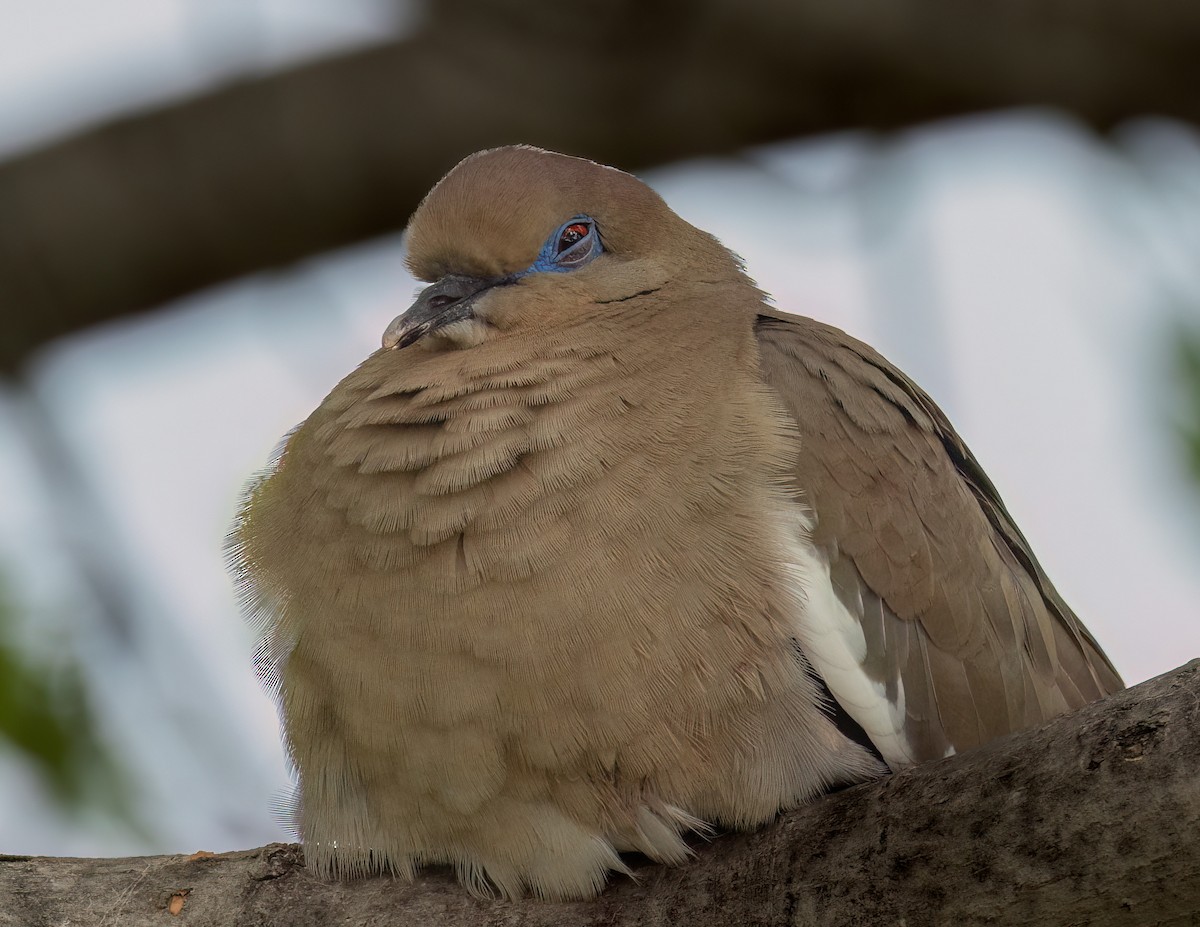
<point x="449" y="300"/>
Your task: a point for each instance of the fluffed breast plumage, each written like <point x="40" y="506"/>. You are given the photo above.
<point x="599" y="550"/>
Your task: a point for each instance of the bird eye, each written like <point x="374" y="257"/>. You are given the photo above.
<point x="572" y="245"/>
<point x="575" y="244"/>
<point x="573" y="233"/>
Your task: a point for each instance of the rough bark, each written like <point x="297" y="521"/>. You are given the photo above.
<point x="274" y="169"/>
<point x="1091" y="819"/>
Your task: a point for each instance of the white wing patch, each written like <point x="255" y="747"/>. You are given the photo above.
<point x="833" y="642"/>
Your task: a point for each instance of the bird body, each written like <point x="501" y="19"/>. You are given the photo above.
<point x="572" y="565"/>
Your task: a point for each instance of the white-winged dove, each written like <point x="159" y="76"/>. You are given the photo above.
<point x="599" y="548"/>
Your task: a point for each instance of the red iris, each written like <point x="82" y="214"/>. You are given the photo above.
<point x="571" y="235"/>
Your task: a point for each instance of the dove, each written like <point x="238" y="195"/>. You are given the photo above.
<point x="599" y="550"/>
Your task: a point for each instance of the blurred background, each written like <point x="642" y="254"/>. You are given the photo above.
<point x="201" y="205"/>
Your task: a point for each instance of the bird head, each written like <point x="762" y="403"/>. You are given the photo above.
<point x="518" y="239"/>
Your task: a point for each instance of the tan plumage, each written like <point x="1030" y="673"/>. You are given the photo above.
<point x="565" y="569"/>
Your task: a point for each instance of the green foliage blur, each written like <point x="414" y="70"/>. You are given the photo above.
<point x="1188" y="412"/>
<point x="46" y="717"/>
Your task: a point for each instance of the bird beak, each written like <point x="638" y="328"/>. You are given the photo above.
<point x="451" y="299"/>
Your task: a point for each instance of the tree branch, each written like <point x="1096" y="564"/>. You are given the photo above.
<point x="275" y="169"/>
<point x="1091" y="819"/>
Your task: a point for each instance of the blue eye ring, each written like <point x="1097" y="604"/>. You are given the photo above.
<point x="574" y="243"/>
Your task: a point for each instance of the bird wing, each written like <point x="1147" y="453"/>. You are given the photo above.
<point x="944" y="618"/>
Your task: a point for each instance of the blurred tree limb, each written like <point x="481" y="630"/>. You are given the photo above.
<point x="273" y="169"/>
<point x="1090" y="819"/>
